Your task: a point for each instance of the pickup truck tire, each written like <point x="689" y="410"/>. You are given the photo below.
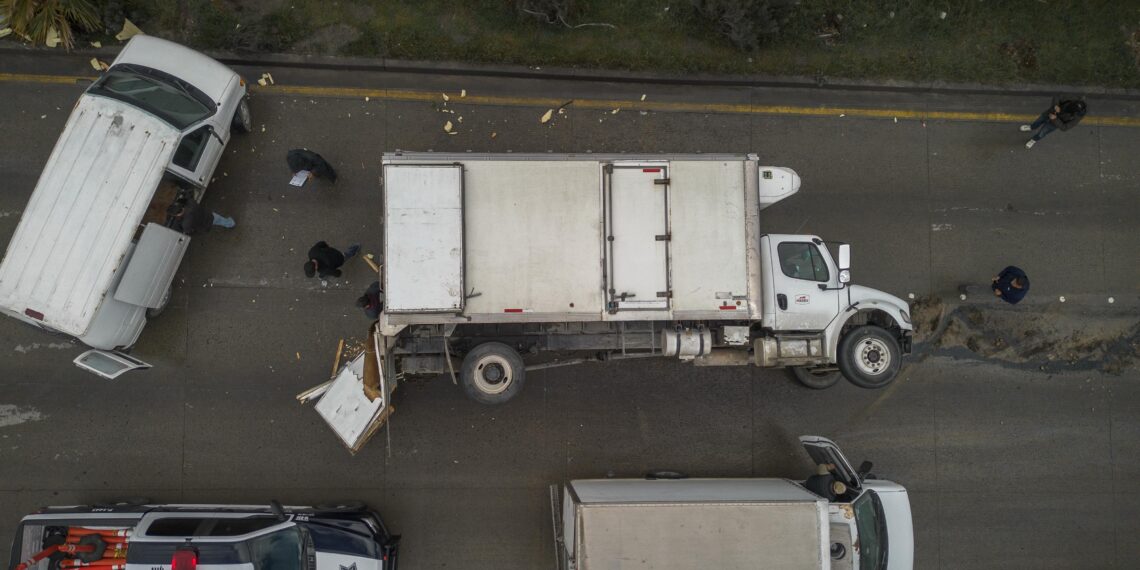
<point x="156" y="311"/>
<point x="492" y="373"/>
<point x="243" y="119"/>
<point x="816" y="379"/>
<point x="869" y="357"/>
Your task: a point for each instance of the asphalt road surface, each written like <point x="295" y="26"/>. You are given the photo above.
<point x="1010" y="465"/>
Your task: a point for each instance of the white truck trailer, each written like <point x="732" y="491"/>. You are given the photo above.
<point x="92" y="256"/>
<point x="730" y="524"/>
<point x="492" y="256"/>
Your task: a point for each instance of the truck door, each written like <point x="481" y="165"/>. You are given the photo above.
<point x="198" y="154"/>
<point x="636" y="203"/>
<point x="799" y="267"/>
<point x="823" y="451"/>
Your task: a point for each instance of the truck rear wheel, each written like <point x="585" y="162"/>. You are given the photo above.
<point x="869" y="357"/>
<point x="492" y="373"/>
<point x="816" y="378"/>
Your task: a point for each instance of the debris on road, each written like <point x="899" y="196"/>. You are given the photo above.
<point x="266" y="79"/>
<point x="129" y="31"/>
<point x="462" y="92"/>
<point x="52" y="39"/>
<point x="643" y="96"/>
<point x="546" y="116"/>
<point x="447" y="127"/>
<point x="445" y="97"/>
<point x="95" y="45"/>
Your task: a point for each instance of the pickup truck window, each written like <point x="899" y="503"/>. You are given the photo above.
<point x="189" y="151"/>
<point x="801" y="260"/>
<point x="171" y="100"/>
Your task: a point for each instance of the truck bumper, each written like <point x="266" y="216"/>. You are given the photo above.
<point x="905" y="342"/>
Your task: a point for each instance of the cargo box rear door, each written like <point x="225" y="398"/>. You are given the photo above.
<point x="423" y="238"/>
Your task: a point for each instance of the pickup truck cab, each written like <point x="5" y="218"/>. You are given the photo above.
<point x="185" y="537"/>
<point x="93" y="256"/>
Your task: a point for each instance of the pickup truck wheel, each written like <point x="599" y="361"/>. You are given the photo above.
<point x="869" y="357"/>
<point x="156" y="311"/>
<point x="492" y="373"/>
<point x="816" y="378"/>
<point x="243" y="119"/>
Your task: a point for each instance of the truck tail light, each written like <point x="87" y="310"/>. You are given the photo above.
<point x="34" y="314"/>
<point x="185" y="558"/>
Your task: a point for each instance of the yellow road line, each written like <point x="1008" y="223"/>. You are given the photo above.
<point x="628" y="104"/>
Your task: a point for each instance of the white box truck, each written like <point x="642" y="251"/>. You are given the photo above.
<point x="730" y="524"/>
<point x="489" y="257"/>
<point x="92" y="254"/>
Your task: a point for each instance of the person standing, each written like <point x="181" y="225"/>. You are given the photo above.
<point x="1010" y="285"/>
<point x="325" y="260"/>
<point x="1064" y="114"/>
<point x="191" y="218"/>
<point x="372" y="301"/>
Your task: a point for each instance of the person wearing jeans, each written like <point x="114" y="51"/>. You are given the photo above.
<point x="1064" y="115"/>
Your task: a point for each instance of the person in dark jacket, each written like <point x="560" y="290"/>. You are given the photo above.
<point x="372" y="301"/>
<point x="1011" y="285"/>
<point x="1064" y="115"/>
<point x="304" y="159"/>
<point x="191" y="218"/>
<point x="325" y="260"/>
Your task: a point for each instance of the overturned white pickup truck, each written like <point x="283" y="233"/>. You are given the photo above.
<point x="489" y="257"/>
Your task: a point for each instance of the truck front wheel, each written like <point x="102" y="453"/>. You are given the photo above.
<point x="492" y="373"/>
<point x="869" y="357"/>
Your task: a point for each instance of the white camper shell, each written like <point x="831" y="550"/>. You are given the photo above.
<point x="91" y="255"/>
<point x="731" y="524"/>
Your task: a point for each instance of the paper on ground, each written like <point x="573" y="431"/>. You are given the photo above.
<point x="299" y="178"/>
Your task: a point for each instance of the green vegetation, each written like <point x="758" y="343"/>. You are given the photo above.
<point x="36" y="20"/>
<point x="1092" y="42"/>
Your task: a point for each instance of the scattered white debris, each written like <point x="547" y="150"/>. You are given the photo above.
<point x="546" y="116"/>
<point x="129" y="31"/>
<point x="447" y="127"/>
<point x="615" y="111"/>
<point x="962" y="297"/>
<point x="643" y="96"/>
<point x="942" y="15"/>
<point x="365" y="98"/>
<point x="52" y="39"/>
<point x="493" y="135"/>
<point x="462" y="92"/>
<point x="896" y="119"/>
<point x="24" y="349"/>
<point x="1111" y="300"/>
<point x="910" y="295"/>
<point x="1062" y="298"/>
<point x="841" y="115"/>
<point x="96" y="44"/>
<point x="445" y="97"/>
<point x="12" y="415"/>
<point x="941" y="227"/>
<point x="43" y="116"/>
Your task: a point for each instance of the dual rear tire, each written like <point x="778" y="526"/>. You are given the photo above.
<point x="492" y="373"/>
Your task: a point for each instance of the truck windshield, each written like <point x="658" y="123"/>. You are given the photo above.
<point x="172" y="99"/>
<point x="872" y="532"/>
<point x="280" y="550"/>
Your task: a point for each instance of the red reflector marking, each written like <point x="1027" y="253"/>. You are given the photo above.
<point x="728" y="307"/>
<point x="512" y="310"/>
<point x="651" y="170"/>
<point x="34" y="314"/>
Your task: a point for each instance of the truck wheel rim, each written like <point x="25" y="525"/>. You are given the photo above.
<point x="493" y="375"/>
<point x="874" y="357"/>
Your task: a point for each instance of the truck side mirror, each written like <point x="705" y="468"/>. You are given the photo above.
<point x="864" y="469"/>
<point x="844" y="263"/>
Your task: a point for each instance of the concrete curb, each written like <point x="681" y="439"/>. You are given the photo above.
<point x="388" y="65"/>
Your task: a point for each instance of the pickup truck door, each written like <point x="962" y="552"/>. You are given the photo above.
<point x="799" y="266"/>
<point x="636" y="202"/>
<point x="824" y="451"/>
<point x="198" y="153"/>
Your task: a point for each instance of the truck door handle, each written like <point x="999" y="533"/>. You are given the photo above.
<point x="782" y="301"/>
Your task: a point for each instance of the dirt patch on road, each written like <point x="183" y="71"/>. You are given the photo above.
<point x="1074" y="337"/>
